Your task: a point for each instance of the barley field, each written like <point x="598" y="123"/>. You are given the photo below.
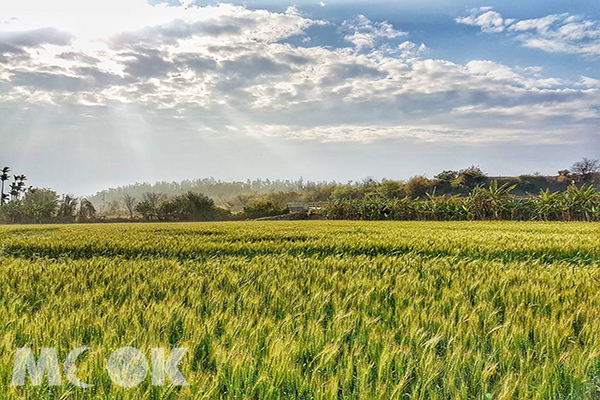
<point x="313" y="309"/>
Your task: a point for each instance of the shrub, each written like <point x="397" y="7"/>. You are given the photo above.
<point x="418" y="186"/>
<point x="262" y="208"/>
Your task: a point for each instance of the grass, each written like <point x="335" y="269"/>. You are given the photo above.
<point x="312" y="310"/>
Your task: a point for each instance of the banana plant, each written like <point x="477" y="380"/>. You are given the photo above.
<point x="491" y="201"/>
<point x="549" y="205"/>
<point x="580" y="201"/>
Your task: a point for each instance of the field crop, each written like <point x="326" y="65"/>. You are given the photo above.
<point x="311" y="310"/>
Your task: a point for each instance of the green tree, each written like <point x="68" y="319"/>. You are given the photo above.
<point x="190" y="207"/>
<point x="67" y="207"/>
<point x="148" y="207"/>
<point x="418" y="186"/>
<point x="443" y="181"/>
<point x="262" y="208"/>
<point x="391" y="189"/>
<point x="446" y="176"/>
<point x="86" y="210"/>
<point x="470" y="178"/>
<point x="41" y="204"/>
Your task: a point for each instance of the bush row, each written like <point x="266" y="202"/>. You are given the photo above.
<point x="494" y="202"/>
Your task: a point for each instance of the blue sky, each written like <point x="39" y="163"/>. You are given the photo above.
<point x="434" y="23"/>
<point x="105" y="93"/>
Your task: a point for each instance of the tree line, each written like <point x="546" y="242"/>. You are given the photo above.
<point x="223" y="193"/>
<point x="450" y="195"/>
<point x="22" y="204"/>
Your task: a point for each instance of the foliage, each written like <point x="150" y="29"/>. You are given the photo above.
<point x="466" y="194"/>
<point x="262" y="208"/>
<point x="236" y="195"/>
<point x="42" y="203"/>
<point x="17" y="187"/>
<point x="446" y="176"/>
<point x="186" y="207"/>
<point x="222" y="192"/>
<point x="148" y="207"/>
<point x="469" y="178"/>
<point x="418" y="186"/>
<point x="494" y="202"/>
<point x="67" y="208"/>
<point x="37" y="206"/>
<point x="390" y="189"/>
<point x="4" y="176"/>
<point x="87" y="211"/>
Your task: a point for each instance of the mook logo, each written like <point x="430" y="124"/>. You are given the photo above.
<point x="127" y="367"/>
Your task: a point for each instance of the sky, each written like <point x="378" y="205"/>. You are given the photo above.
<point x="97" y="94"/>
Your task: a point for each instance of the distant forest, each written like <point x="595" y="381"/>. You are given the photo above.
<point x="237" y="195"/>
<point x="225" y="194"/>
<point x="572" y="194"/>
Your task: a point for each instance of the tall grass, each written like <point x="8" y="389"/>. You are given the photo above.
<point x="312" y="310"/>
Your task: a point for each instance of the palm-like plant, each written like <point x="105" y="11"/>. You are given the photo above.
<point x="14" y="190"/>
<point x="490" y="202"/>
<point x="67" y="207"/>
<point x="17" y="187"/>
<point x="446" y="208"/>
<point x="581" y="201"/>
<point x="549" y="205"/>
<point x="4" y="176"/>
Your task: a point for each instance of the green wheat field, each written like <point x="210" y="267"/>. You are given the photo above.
<point x="313" y="309"/>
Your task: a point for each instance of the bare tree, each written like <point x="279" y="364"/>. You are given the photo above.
<point x="585" y="169"/>
<point x="129" y="202"/>
<point x="154" y="198"/>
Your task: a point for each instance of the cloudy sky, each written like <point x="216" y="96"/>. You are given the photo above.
<point x="98" y="93"/>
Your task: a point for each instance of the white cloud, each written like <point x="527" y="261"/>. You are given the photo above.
<point x="487" y="19"/>
<point x="589" y="82"/>
<point x="539" y="24"/>
<point x="365" y="33"/>
<point x="226" y="69"/>
<point x="556" y="33"/>
<point x="410" y="50"/>
<point x="99" y="20"/>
